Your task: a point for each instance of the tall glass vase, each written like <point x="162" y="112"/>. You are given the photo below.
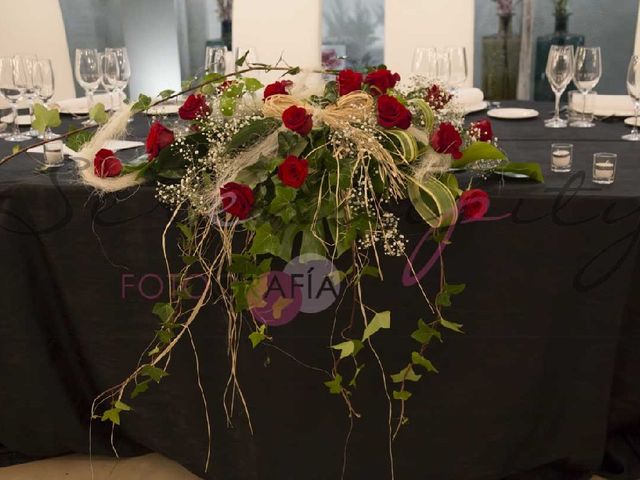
<point x="561" y="36"/>
<point x="501" y="61"/>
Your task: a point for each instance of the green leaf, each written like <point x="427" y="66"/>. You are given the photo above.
<point x="15" y="149"/>
<point x="242" y="59"/>
<point x="531" y="170"/>
<point x="370" y="271"/>
<point x="425" y="333"/>
<point x="251" y="133"/>
<point x="379" y="321"/>
<point x="310" y="243"/>
<point x="353" y="383"/>
<point x="348" y="348"/>
<point x="98" y="114"/>
<point x="335" y="385"/>
<point x="154" y="373"/>
<point x="456" y="327"/>
<point x="451" y="181"/>
<point x="284" y="196"/>
<point x="426" y="112"/>
<point x="77" y="140"/>
<point x="163" y="310"/>
<point x="143" y="103"/>
<point x="443" y="299"/>
<point x="418" y="359"/>
<point x="122" y="406"/>
<point x="45" y="118"/>
<point x="228" y="106"/>
<point x="166" y="93"/>
<point x="290" y="143"/>
<point x="403" y="395"/>
<point x="479" y="151"/>
<point x="433" y="201"/>
<point x="252" y="84"/>
<point x="258" y="336"/>
<point x="140" y="388"/>
<point x="186" y="231"/>
<point x="264" y="241"/>
<point x="455" y="289"/>
<point x="406" y="374"/>
<point x="112" y="415"/>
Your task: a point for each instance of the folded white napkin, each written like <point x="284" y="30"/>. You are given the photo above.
<point x="80" y="105"/>
<point x="114" y="145"/>
<point x="470" y="97"/>
<point x="604" y="105"/>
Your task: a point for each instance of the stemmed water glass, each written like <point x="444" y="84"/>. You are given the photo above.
<point x="10" y="91"/>
<point x="559" y="72"/>
<point x="110" y="73"/>
<point x="425" y="62"/>
<point x="444" y="68"/>
<point x="458" y="70"/>
<point x="23" y="67"/>
<point x="633" y="87"/>
<point x="214" y="60"/>
<point x="44" y="87"/>
<point x="586" y="75"/>
<point x="88" y="74"/>
<point x="124" y="72"/>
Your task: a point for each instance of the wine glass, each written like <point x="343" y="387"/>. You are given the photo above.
<point x="44" y="87"/>
<point x="425" y="62"/>
<point x="88" y="74"/>
<point x="633" y="87"/>
<point x="23" y="72"/>
<point x="124" y="72"/>
<point x="214" y="60"/>
<point x="586" y="75"/>
<point x="110" y="74"/>
<point x="559" y="72"/>
<point x="10" y="91"/>
<point x="458" y="70"/>
<point x="444" y="68"/>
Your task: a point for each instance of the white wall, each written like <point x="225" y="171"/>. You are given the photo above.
<point x="427" y="23"/>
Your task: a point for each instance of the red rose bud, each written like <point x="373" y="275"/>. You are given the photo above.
<point x="392" y="113"/>
<point x="437" y="98"/>
<point x="348" y="81"/>
<point x="106" y="164"/>
<point x="195" y="106"/>
<point x="381" y="81"/>
<point x="473" y="204"/>
<point x="447" y="140"/>
<point x="237" y="199"/>
<point x="485" y="129"/>
<point x="159" y="137"/>
<point x="293" y="171"/>
<point x="298" y="120"/>
<point x="277" y="88"/>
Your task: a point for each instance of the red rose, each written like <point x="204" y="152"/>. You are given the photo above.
<point x="159" y="137"/>
<point x="485" y="129"/>
<point x="349" y="81"/>
<point x="474" y="204"/>
<point x="437" y="98"/>
<point x="391" y="113"/>
<point x="293" y="171"/>
<point x="237" y="199"/>
<point x="106" y="164"/>
<point x="195" y="106"/>
<point x="224" y="85"/>
<point x="277" y="88"/>
<point x="447" y="140"/>
<point x="381" y="81"/>
<point x="298" y="120"/>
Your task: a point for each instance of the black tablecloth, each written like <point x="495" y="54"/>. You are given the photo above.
<point x="545" y="379"/>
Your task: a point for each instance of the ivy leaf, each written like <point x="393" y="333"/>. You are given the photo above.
<point x="228" y="106"/>
<point x="143" y="103"/>
<point x="455" y="289"/>
<point x="154" y="373"/>
<point x="98" y="114"/>
<point x="403" y="395"/>
<point x="15" y="149"/>
<point x="406" y="373"/>
<point x="75" y="141"/>
<point x="242" y="59"/>
<point x="418" y="359"/>
<point x="264" y="241"/>
<point x="352" y="383"/>
<point x="335" y="385"/>
<point x="456" y="327"/>
<point x="284" y="197"/>
<point x="380" y="320"/>
<point x="370" y="271"/>
<point x="258" y="336"/>
<point x="122" y="406"/>
<point x="186" y="231"/>
<point x="348" y="348"/>
<point x="112" y="415"/>
<point x="252" y="84"/>
<point x="163" y="310"/>
<point x="140" y="388"/>
<point x="425" y="333"/>
<point x="166" y="93"/>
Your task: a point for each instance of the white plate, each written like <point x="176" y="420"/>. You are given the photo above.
<point x="163" y="110"/>
<point x="80" y="106"/>
<point x="513" y="113"/>
<point x="476" y="108"/>
<point x="630" y="121"/>
<point x="23" y="120"/>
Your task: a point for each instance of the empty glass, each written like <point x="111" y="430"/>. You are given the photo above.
<point x="215" y="60"/>
<point x="10" y="91"/>
<point x="586" y="75"/>
<point x="559" y="73"/>
<point x="444" y="68"/>
<point x="425" y="62"/>
<point x="124" y="72"/>
<point x="44" y="87"/>
<point x="88" y="74"/>
<point x="23" y="73"/>
<point x="457" y="66"/>
<point x="633" y="87"/>
<point x="110" y="73"/>
<point x="604" y="168"/>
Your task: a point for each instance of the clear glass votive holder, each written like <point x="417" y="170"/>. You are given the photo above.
<point x="561" y="157"/>
<point x="604" y="168"/>
<point x="53" y="153"/>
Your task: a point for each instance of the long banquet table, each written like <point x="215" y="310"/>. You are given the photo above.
<point x="543" y="384"/>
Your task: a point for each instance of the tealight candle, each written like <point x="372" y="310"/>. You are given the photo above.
<point x="604" y="168"/>
<point x="53" y="154"/>
<point x="561" y="157"/>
